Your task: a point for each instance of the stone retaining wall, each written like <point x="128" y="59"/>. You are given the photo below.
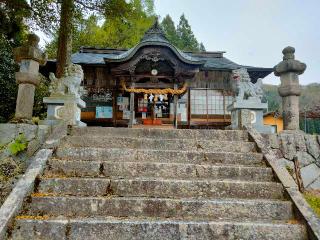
<point x="11" y="166"/>
<point x="305" y="147"/>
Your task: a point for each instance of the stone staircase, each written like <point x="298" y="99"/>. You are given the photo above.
<point x="118" y="183"/>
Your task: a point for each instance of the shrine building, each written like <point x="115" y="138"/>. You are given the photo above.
<point x="155" y="83"/>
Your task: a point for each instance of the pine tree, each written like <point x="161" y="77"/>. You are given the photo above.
<point x="187" y="41"/>
<point x="169" y="28"/>
<point x="202" y="48"/>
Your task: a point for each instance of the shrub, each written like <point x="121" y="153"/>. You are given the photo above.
<point x="18" y="145"/>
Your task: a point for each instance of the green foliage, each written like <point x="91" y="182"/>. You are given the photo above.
<point x="182" y="36"/>
<point x="12" y="13"/>
<point x="273" y="98"/>
<point x="18" y="145"/>
<point x="188" y="41"/>
<point x="170" y="30"/>
<point x="314" y="201"/>
<point x="42" y="90"/>
<point x="122" y="31"/>
<point x="8" y="86"/>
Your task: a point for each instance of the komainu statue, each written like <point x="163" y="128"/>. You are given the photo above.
<point x="69" y="84"/>
<point x="243" y="87"/>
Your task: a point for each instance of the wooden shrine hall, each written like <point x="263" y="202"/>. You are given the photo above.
<point x="154" y="83"/>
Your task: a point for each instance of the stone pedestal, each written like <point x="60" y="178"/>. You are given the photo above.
<point x="66" y="107"/>
<point x="289" y="70"/>
<point x="29" y="57"/>
<point x="248" y="112"/>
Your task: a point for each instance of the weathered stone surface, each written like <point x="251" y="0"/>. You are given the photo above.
<point x="25" y="100"/>
<point x="288" y="147"/>
<point x="150" y="155"/>
<point x="312" y="145"/>
<point x="186" y="171"/>
<point x="311" y="219"/>
<point x="74" y="168"/>
<point x="274" y="140"/>
<point x="24" y="187"/>
<point x="135" y="229"/>
<point x="289" y="90"/>
<point x="300" y="142"/>
<point x="315" y="184"/>
<point x="159" y="144"/>
<point x="40" y="230"/>
<point x="30" y="51"/>
<point x="155" y="193"/>
<point x="305" y="159"/>
<point x="310" y="174"/>
<point x="29" y="131"/>
<point x="195" y="209"/>
<point x="7" y="132"/>
<point x="286" y="164"/>
<point x="164" y="170"/>
<point x="222" y="135"/>
<point x="161" y="188"/>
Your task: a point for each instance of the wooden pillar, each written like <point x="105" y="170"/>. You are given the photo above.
<point x="114" y="107"/>
<point x="132" y="112"/>
<point x="175" y="107"/>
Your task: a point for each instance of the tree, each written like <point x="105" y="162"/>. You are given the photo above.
<point x="170" y="30"/>
<point x="115" y="32"/>
<point x="187" y="40"/>
<point x="182" y="36"/>
<point x="12" y="13"/>
<point x="202" y="47"/>
<point x="8" y="86"/>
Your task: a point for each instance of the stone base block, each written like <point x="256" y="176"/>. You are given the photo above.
<point x="248" y="112"/>
<point x="66" y="107"/>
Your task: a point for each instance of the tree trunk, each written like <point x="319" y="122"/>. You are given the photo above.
<point x="65" y="37"/>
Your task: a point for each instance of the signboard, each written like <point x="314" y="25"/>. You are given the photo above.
<point x="126" y="115"/>
<point x="104" y="112"/>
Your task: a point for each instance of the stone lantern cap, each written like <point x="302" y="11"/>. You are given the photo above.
<point x="30" y="51"/>
<point x="289" y="64"/>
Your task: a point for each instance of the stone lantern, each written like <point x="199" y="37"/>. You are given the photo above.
<point x="29" y="56"/>
<point x="289" y="70"/>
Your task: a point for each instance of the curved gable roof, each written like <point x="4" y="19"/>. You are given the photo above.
<point x="154" y="37"/>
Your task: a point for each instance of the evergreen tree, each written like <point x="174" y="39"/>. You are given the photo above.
<point x="187" y="40"/>
<point x="202" y="48"/>
<point x="8" y="86"/>
<point x="169" y="28"/>
<point x="182" y="36"/>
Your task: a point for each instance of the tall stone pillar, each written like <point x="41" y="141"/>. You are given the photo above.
<point x="289" y="70"/>
<point x="30" y="57"/>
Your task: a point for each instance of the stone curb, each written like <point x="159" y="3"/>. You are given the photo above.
<point x="23" y="188"/>
<point x="312" y="221"/>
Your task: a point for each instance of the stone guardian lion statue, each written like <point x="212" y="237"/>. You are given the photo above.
<point x="243" y="87"/>
<point x="69" y="84"/>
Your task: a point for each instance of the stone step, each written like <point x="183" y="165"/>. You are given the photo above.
<point x="146" y="229"/>
<point x="148" y="155"/>
<point x="160" y="144"/>
<point x="191" y="209"/>
<point x="204" y="134"/>
<point x="164" y="170"/>
<point x="152" y="187"/>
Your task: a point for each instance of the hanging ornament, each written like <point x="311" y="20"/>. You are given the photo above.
<point x="145" y="96"/>
<point x="165" y="97"/>
<point x="156" y="98"/>
<point x="151" y="97"/>
<point x="161" y="97"/>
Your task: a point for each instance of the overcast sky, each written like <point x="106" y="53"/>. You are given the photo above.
<point x="254" y="32"/>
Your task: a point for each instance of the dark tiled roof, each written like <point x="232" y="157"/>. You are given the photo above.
<point x="210" y="62"/>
